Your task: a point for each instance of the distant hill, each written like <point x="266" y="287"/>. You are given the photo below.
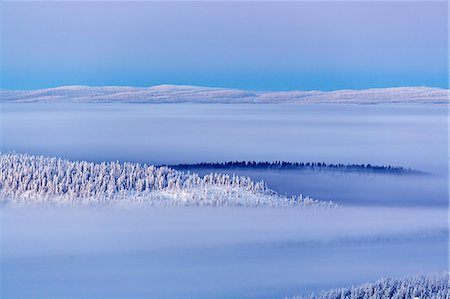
<point x="195" y="94"/>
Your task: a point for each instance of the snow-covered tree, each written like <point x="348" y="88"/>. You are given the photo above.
<point x="432" y="286"/>
<point x="31" y="179"/>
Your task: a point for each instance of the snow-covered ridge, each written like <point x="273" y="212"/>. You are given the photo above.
<point x="195" y="94"/>
<point x="26" y="179"/>
<point x="432" y="286"/>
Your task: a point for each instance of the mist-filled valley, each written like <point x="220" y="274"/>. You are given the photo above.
<point x="386" y="224"/>
<point x="413" y="136"/>
<point x="224" y="150"/>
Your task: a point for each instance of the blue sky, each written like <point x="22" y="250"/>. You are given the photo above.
<point x="247" y="45"/>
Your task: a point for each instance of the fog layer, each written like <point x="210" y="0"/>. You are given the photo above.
<point x="229" y="252"/>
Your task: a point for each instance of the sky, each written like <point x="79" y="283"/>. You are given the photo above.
<point x="245" y="45"/>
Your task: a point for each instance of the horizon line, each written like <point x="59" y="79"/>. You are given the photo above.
<point x="228" y="88"/>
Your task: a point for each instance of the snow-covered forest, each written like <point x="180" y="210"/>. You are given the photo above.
<point x="27" y="179"/>
<point x="433" y="286"/>
<point x="308" y="166"/>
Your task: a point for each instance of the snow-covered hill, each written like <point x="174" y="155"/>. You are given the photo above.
<point x="26" y="179"/>
<point x="433" y="286"/>
<point x="194" y="94"/>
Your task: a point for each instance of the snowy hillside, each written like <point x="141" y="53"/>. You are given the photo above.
<point x="423" y="286"/>
<point x="26" y="179"/>
<point x="181" y="94"/>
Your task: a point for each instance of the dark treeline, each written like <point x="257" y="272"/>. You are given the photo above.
<point x="312" y="166"/>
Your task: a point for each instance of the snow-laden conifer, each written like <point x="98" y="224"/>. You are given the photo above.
<point x="432" y="286"/>
<point x="27" y="179"/>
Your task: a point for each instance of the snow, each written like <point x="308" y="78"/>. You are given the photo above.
<point x="334" y="134"/>
<point x="38" y="180"/>
<point x="148" y="250"/>
<point x="196" y="94"/>
<point x="353" y="189"/>
<point x="431" y="286"/>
